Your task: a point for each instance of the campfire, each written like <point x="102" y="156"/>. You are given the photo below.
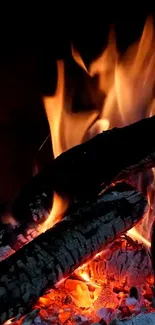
<point x="79" y="246"/>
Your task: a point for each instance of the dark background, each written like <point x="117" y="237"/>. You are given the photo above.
<point x="27" y="72"/>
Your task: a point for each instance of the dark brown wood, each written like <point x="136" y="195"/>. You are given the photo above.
<point x="55" y="254"/>
<point x="83" y="171"/>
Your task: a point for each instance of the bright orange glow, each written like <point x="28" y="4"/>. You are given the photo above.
<point x="82" y="297"/>
<point x="83" y="275"/>
<point x="83" y="294"/>
<point x="44" y="301"/>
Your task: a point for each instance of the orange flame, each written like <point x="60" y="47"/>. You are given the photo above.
<point x="59" y="207"/>
<point x="127" y="82"/>
<point x="133" y="233"/>
<point x="67" y="128"/>
<point x="8" y="322"/>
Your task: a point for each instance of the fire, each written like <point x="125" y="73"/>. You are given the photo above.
<point x="58" y="209"/>
<point x="88" y="295"/>
<point x="8" y="322"/>
<point x="128" y="85"/>
<point x="133" y="233"/>
<point x="67" y="128"/>
<point x="127" y="81"/>
<point x="84" y="275"/>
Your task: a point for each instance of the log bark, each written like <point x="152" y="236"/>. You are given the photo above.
<point x="144" y="319"/>
<point x="83" y="171"/>
<point x="55" y="254"/>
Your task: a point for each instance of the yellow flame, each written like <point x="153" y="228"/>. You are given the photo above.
<point x="133" y="233"/>
<point x="84" y="275"/>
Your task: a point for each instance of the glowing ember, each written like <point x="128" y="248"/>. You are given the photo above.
<point x="97" y="289"/>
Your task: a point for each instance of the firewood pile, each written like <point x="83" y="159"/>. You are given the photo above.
<point x="103" y="208"/>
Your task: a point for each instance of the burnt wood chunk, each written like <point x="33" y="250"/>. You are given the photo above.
<point x="55" y="254"/>
<point x="83" y="171"/>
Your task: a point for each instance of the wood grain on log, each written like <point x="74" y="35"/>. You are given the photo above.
<point x="55" y="254"/>
<point x="83" y="171"/>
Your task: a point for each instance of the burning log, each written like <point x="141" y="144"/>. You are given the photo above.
<point x="55" y="254"/>
<point x="83" y="171"/>
<point x="143" y="319"/>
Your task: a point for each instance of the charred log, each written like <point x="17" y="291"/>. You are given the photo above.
<point x="83" y="171"/>
<point x="55" y="254"/>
